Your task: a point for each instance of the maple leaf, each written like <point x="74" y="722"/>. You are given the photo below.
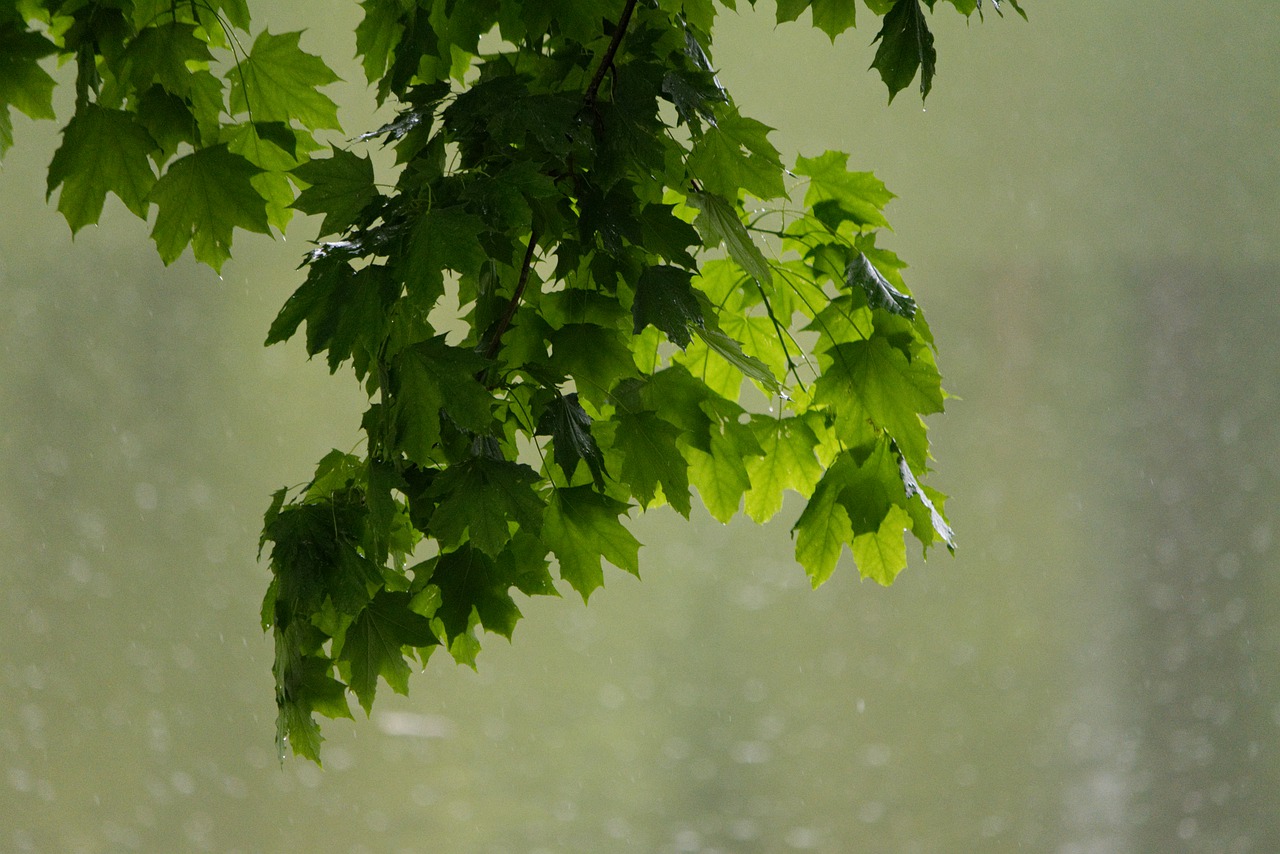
<point x="735" y="154"/>
<point x="103" y="151"/>
<point x="836" y="194"/>
<point x="338" y="187"/>
<point x="279" y="82"/>
<point x="651" y="459"/>
<point x="480" y="497"/>
<point x="470" y="582"/>
<point x="665" y="299"/>
<point x="23" y="83"/>
<point x="200" y="199"/>
<point x="596" y="357"/>
<point x="372" y="645"/>
<point x="906" y="45"/>
<point x="432" y="376"/>
<point x="823" y="528"/>
<point x="882" y="554"/>
<point x="721" y="474"/>
<point x="581" y="527"/>
<point x="787" y="461"/>
<point x="569" y="427"/>
<point x="719" y="221"/>
<point x="875" y="380"/>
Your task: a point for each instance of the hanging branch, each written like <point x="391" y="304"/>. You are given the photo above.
<point x="588" y="99"/>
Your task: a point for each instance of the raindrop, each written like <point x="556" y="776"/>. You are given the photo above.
<point x="145" y="496"/>
<point x="751" y="753"/>
<point x="611" y="696"/>
<point x="871" y="812"/>
<point x="802" y="837"/>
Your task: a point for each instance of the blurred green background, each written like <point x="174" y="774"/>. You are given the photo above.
<point x="1089" y="205"/>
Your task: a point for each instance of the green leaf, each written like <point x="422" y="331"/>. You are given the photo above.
<point x="470" y="581"/>
<point x="665" y="299"/>
<point x="339" y="187"/>
<point x="651" y="459"/>
<point x="881" y="555"/>
<point x="936" y="521"/>
<point x="836" y="194"/>
<point x="373" y="642"/>
<point x="160" y="54"/>
<point x="880" y="294"/>
<point x="823" y="528"/>
<point x="721" y="475"/>
<point x="735" y="154"/>
<point x="719" y="221"/>
<point x="596" y="357"/>
<point x="787" y="462"/>
<point x="481" y="497"/>
<point x="432" y="376"/>
<point x="168" y="119"/>
<point x="731" y="351"/>
<point x="874" y="380"/>
<point x="906" y="46"/>
<point x="581" y="527"/>
<point x="23" y="83"/>
<point x="296" y="728"/>
<point x="279" y="82"/>
<point x="444" y="237"/>
<point x="103" y="151"/>
<point x="569" y="427"/>
<point x="200" y="199"/>
<point x="377" y="35"/>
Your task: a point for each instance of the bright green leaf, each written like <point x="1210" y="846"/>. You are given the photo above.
<point x="788" y="462"/>
<point x="881" y="555"/>
<point x="279" y="82"/>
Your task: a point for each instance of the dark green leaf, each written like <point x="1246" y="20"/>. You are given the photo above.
<point x="596" y="358"/>
<point x="481" y="497"/>
<point x="469" y="581"/>
<point x="23" y="83"/>
<point x="103" y="151"/>
<point x="569" y="427"/>
<point x="340" y="187"/>
<point x="373" y="642"/>
<point x="665" y="299"/>
<point x="651" y="459"/>
<point x="906" y="46"/>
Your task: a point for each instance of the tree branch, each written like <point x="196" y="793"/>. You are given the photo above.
<point x="607" y="60"/>
<point x="588" y="99"/>
<point x="505" y="321"/>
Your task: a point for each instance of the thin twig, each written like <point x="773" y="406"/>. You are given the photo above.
<point x="607" y="60"/>
<point x="505" y="321"/>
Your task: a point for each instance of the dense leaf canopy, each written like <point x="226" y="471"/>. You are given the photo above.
<point x="587" y="284"/>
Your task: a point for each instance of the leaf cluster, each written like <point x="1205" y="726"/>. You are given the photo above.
<point x="586" y="284"/>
